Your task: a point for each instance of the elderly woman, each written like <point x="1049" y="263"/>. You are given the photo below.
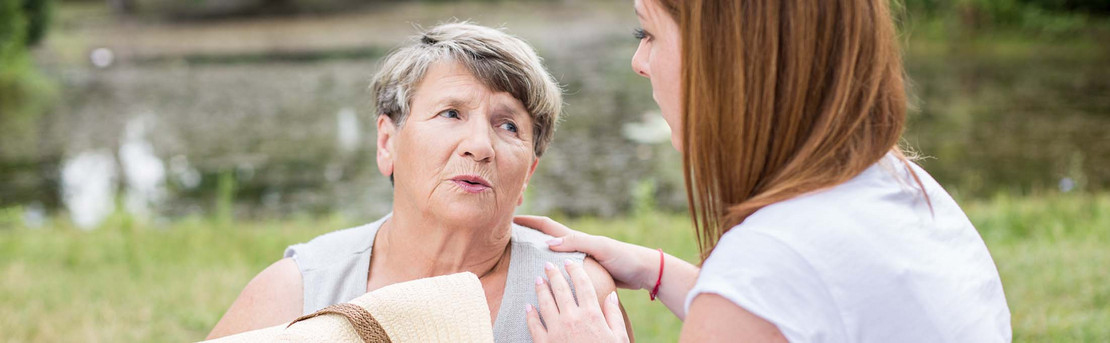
<point x="465" y="112"/>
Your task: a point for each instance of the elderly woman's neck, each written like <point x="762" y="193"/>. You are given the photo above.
<point x="417" y="246"/>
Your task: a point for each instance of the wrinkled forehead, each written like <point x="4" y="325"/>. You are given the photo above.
<point x="450" y="83"/>
<point x="499" y="78"/>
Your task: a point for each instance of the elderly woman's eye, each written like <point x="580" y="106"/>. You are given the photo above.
<point x="451" y="114"/>
<point x="509" y="127"/>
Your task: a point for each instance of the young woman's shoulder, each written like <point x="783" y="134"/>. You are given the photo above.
<point x="882" y="196"/>
<point x="273" y="297"/>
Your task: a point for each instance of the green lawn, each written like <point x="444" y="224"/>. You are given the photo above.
<point x="132" y="282"/>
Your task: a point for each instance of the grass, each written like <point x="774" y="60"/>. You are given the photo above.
<point x="129" y="281"/>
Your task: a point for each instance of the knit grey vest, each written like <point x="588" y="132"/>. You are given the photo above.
<point x="334" y="267"/>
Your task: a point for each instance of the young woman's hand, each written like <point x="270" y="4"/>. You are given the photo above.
<point x="632" y="266"/>
<point x="570" y="320"/>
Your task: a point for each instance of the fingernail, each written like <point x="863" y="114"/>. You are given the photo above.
<point x="549" y="266"/>
<point x="567" y="262"/>
<point x="554" y="242"/>
<point x="528" y="308"/>
<point x="612" y="298"/>
<point x="539" y="280"/>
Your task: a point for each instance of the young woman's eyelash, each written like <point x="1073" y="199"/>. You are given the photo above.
<point x="640" y="34"/>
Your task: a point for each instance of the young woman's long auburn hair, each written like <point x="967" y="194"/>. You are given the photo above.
<point x="781" y="98"/>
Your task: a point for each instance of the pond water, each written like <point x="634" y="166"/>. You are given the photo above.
<point x="170" y="138"/>
<point x="1015" y="125"/>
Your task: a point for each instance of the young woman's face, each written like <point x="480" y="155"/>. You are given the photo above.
<point x="659" y="59"/>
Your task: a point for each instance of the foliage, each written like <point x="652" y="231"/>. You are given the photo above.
<point x="1052" y="17"/>
<point x="1095" y="6"/>
<point x="24" y="92"/>
<point x="39" y="14"/>
<point x="225" y="197"/>
<point x="1091" y="6"/>
<point x="204" y="9"/>
<point x="13" y="31"/>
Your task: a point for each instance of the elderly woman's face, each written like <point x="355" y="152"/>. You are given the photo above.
<point x="464" y="153"/>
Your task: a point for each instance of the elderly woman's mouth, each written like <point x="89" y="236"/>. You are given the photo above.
<point x="471" y="183"/>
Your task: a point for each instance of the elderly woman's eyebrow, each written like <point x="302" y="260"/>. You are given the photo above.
<point x="457" y="102"/>
<point x="510" y="111"/>
<point x="462" y="103"/>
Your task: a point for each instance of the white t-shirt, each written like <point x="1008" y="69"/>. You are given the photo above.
<point x="864" y="261"/>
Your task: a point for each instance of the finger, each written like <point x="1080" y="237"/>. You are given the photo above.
<point x="559" y="288"/>
<point x="583" y="286"/>
<point x="614" y="317"/>
<point x="566" y="239"/>
<point x="548" y="308"/>
<point x="568" y="243"/>
<point x="599" y="247"/>
<point x="543" y="224"/>
<point x="535" y="327"/>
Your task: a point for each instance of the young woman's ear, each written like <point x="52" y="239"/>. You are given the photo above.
<point x="387" y="131"/>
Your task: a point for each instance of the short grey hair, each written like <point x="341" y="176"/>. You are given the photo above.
<point x="502" y="62"/>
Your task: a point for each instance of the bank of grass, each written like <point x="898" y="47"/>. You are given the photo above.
<point x="134" y="282"/>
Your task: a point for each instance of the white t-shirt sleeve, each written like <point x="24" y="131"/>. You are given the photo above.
<point x="768" y="278"/>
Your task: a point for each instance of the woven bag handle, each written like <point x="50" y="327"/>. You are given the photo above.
<point x="365" y="325"/>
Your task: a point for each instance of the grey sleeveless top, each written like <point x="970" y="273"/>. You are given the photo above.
<point x="334" y="267"/>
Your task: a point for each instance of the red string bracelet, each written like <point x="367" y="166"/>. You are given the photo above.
<point x="659" y="281"/>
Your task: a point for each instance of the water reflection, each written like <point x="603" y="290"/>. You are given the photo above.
<point x="89" y="187"/>
<point x="291" y="137"/>
<point x="1013" y="124"/>
<point x="184" y="173"/>
<point x="652" y="129"/>
<point x="143" y="171"/>
<point x="348" y="133"/>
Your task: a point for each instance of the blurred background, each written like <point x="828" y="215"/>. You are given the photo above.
<point x="156" y="154"/>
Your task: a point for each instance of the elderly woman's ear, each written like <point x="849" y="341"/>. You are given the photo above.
<point x="387" y="130"/>
<point x="531" y="171"/>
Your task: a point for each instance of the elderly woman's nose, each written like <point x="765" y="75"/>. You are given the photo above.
<point x="477" y="145"/>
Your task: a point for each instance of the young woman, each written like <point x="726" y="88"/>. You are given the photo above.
<point x="813" y="225"/>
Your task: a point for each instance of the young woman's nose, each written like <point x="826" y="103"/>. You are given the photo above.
<point x="640" y="62"/>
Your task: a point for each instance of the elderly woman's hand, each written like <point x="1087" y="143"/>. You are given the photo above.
<point x="570" y="320"/>
<point x="632" y="266"/>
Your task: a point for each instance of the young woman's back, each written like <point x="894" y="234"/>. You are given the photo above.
<point x="866" y="261"/>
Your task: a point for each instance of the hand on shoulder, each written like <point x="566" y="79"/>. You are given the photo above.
<point x="603" y="286"/>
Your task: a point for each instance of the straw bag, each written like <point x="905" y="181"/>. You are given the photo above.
<point x="450" y="308"/>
